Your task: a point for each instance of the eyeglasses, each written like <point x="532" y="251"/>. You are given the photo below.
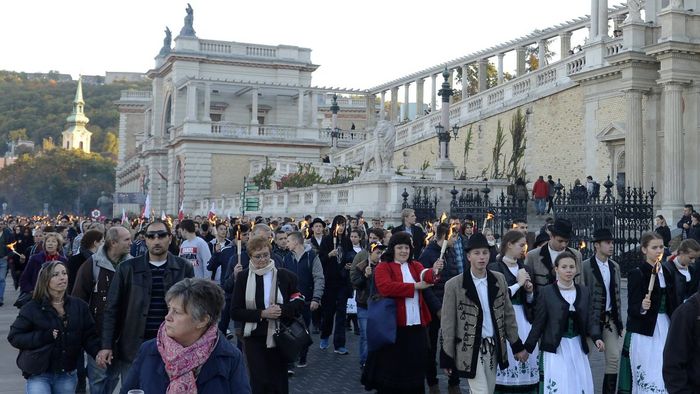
<point x="260" y="256"/>
<point x="158" y="234"/>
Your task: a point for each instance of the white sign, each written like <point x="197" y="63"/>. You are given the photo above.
<point x="96" y="213"/>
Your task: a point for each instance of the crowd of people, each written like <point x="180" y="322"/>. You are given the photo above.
<point x="197" y="305"/>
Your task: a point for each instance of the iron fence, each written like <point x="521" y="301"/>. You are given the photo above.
<point x="627" y="216"/>
<point x="475" y="204"/>
<point x="424" y="203"/>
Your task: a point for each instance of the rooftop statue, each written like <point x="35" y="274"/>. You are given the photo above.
<point x="188" y="30"/>
<point x="634" y="7"/>
<point x="166" y="42"/>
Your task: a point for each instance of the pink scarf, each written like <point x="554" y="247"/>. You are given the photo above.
<point x="181" y="362"/>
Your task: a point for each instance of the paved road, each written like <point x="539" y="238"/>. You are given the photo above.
<point x="327" y="372"/>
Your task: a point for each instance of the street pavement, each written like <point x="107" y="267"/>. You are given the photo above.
<point x="326" y="372"/>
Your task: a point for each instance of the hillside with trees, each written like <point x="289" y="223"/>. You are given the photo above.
<point x="37" y="110"/>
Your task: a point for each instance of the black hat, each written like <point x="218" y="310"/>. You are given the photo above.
<point x="318" y="220"/>
<point x="541" y="239"/>
<point x="602" y="234"/>
<point x="561" y="227"/>
<point x="476" y="241"/>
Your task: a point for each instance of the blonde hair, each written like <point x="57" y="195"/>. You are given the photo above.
<point x="57" y="236"/>
<point x="41" y="289"/>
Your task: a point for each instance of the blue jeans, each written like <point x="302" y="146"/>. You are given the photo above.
<point x="540" y="205"/>
<point x="362" y="320"/>
<point x="53" y="383"/>
<point x="102" y="381"/>
<point x="3" y="274"/>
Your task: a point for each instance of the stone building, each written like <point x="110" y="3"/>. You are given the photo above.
<point x="76" y="135"/>
<point x="214" y="106"/>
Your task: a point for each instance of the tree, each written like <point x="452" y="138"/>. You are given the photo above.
<point x="468" y="146"/>
<point x="496" y="169"/>
<point x="110" y="145"/>
<point x="263" y="179"/>
<point x="68" y="180"/>
<point x="473" y="78"/>
<point x="18" y="134"/>
<point x="532" y="61"/>
<point x="517" y="133"/>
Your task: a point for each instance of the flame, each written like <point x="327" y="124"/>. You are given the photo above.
<point x="12" y="246"/>
<point x="582" y="245"/>
<point x="449" y="235"/>
<point x="238" y="233"/>
<point x="335" y="230"/>
<point x="489" y="216"/>
<point x="306" y="232"/>
<point x="443" y="217"/>
<point x="429" y="237"/>
<point x="525" y="250"/>
<point x="170" y="221"/>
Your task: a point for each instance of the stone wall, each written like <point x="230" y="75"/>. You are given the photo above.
<point x="554" y="134"/>
<point x="227" y="172"/>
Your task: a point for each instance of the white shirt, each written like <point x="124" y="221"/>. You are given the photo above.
<point x="605" y="272"/>
<point x="683" y="270"/>
<point x="482" y="288"/>
<point x="158" y="263"/>
<point x="357" y="248"/>
<point x="267" y="285"/>
<point x="662" y="280"/>
<point x="413" y="303"/>
<point x="553" y="254"/>
<point x="570" y="297"/>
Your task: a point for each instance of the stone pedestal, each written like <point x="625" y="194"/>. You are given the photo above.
<point x="673" y="25"/>
<point x="444" y="170"/>
<point x="633" y="36"/>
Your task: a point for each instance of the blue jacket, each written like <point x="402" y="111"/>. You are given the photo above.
<point x="224" y="372"/>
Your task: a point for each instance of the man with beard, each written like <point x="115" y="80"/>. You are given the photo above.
<point x="136" y="298"/>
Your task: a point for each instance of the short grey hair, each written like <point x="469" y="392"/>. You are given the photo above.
<point x="200" y="298"/>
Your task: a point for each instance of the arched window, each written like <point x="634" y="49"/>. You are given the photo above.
<point x="81" y="146"/>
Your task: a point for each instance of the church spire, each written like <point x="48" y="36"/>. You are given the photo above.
<point x="78" y="115"/>
<point x="76" y="136"/>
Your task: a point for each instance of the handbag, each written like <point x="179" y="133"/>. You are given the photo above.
<point x="35" y="361"/>
<point x="381" y="323"/>
<point x="291" y="337"/>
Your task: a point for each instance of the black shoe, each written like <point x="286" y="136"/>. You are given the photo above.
<point x="290" y="373"/>
<point x="2" y="303"/>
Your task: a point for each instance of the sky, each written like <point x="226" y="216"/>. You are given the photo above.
<point x="358" y="44"/>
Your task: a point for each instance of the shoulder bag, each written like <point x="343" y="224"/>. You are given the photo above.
<point x="381" y="320"/>
<point x="291" y="337"/>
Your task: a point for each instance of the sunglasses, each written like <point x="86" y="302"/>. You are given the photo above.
<point x="158" y="234"/>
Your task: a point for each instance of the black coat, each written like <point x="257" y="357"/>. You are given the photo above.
<point x="288" y="287"/>
<point x="128" y="300"/>
<point x="552" y="319"/>
<point x="418" y="236"/>
<point x="429" y="255"/>
<point x="334" y="272"/>
<point x="521" y="294"/>
<point x="34" y="327"/>
<point x="637" y="287"/>
<point x="681" y="363"/>
<point x="682" y="289"/>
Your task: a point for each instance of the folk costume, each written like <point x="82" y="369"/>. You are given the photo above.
<point x="563" y="319"/>
<point x="640" y="369"/>
<point x="518" y="377"/>
<point x="541" y="259"/>
<point x="603" y="280"/>
<point x="476" y="320"/>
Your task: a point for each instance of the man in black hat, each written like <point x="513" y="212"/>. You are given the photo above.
<point x="541" y="259"/>
<point x="477" y="318"/>
<point x="602" y="276"/>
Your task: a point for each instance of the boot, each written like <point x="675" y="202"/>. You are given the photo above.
<point x="434" y="389"/>
<point x="609" y="383"/>
<point x="453" y="390"/>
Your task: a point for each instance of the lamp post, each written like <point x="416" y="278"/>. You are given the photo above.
<point x="335" y="131"/>
<point x="444" y="168"/>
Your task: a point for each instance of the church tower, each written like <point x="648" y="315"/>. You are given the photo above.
<point x="76" y="136"/>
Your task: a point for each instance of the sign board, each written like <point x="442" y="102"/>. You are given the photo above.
<point x="95" y="213"/>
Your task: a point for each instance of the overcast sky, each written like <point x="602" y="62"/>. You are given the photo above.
<point x="357" y="43"/>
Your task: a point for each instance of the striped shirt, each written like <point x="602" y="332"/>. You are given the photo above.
<point x="157" y="308"/>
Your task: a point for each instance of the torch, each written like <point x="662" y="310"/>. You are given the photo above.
<point x="444" y="242"/>
<point x="238" y="243"/>
<point x="488" y="217"/>
<point x="335" y="236"/>
<point x="654" y="271"/>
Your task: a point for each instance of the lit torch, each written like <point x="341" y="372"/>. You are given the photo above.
<point x="430" y="234"/>
<point x="238" y="243"/>
<point x="443" y="217"/>
<point x="335" y="236"/>
<point x="654" y="271"/>
<point x="582" y="245"/>
<point x="12" y="249"/>
<point x="488" y="217"/>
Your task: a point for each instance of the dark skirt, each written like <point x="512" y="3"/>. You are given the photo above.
<point x="267" y="368"/>
<point x="399" y="368"/>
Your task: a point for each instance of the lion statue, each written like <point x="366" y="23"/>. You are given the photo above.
<point x="379" y="152"/>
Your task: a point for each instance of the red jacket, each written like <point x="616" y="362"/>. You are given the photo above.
<point x="540" y="189"/>
<point x="389" y="282"/>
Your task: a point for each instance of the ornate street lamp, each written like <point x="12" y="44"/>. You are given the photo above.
<point x="334" y="131"/>
<point x="444" y="167"/>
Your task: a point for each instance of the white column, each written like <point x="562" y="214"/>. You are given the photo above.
<point x="406" y="86"/>
<point x="382" y="101"/>
<point x="314" y="110"/>
<point x="633" y="139"/>
<point x="603" y="19"/>
<point x="433" y="92"/>
<point x="191" y="103"/>
<point x="673" y="146"/>
<point x="394" y="114"/>
<point x="593" y="34"/>
<point x="651" y="8"/>
<point x="465" y="81"/>
<point x="419" y="97"/>
<point x="300" y="109"/>
<point x="483" y="74"/>
<point x="254" y="107"/>
<point x="207" y="103"/>
<point x="500" y="67"/>
<point x="520" y="55"/>
<point x="371" y="111"/>
<point x="541" y="53"/>
<point x="452" y="81"/>
<point x="565" y="44"/>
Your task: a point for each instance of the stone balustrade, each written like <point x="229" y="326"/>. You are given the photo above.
<point x="288" y="166"/>
<point x="376" y="197"/>
<point x="614" y="47"/>
<point x="141" y="95"/>
<point x="232" y="48"/>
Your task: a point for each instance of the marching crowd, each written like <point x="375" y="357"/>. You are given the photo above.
<point x="205" y="305"/>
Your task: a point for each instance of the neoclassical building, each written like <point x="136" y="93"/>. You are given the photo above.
<point x="619" y="98"/>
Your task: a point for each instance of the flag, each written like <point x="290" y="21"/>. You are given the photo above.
<point x="162" y="216"/>
<point x="181" y="212"/>
<point x="125" y="219"/>
<point x="146" y="214"/>
<point x="212" y="212"/>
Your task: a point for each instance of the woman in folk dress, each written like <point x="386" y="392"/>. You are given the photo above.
<point x="647" y="321"/>
<point x="518" y="377"/>
<point x="563" y="318"/>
